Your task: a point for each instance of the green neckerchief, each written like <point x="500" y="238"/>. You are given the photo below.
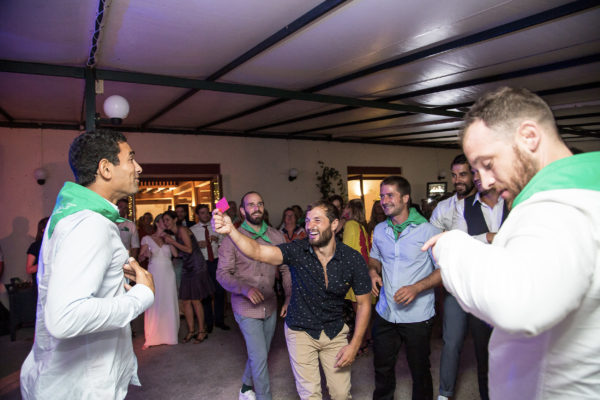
<point x="73" y="198"/>
<point x="581" y="171"/>
<point x="262" y="234"/>
<point x="413" y="218"/>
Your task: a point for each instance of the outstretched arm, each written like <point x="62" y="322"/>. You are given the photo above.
<point x="251" y="248"/>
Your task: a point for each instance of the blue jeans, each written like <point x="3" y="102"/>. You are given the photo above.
<point x="257" y="334"/>
<point x="456" y="321"/>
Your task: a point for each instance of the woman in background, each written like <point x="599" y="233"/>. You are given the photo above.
<point x="34" y="250"/>
<point x="161" y="320"/>
<point x="195" y="279"/>
<point x="289" y="226"/>
<point x="355" y="235"/>
<point x="377" y="216"/>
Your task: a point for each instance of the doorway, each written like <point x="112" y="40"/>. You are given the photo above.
<point x="363" y="183"/>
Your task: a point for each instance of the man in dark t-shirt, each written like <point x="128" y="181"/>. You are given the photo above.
<point x="322" y="271"/>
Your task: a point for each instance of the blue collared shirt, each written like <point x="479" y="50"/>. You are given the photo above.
<point x="403" y="263"/>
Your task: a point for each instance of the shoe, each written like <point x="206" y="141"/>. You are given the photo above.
<point x="247" y="395"/>
<point x="209" y="328"/>
<point x="189" y="336"/>
<point x="201" y="337"/>
<point x="440" y="397"/>
<point x="223" y="326"/>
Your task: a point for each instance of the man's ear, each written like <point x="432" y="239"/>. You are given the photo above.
<point x="242" y="212"/>
<point x="105" y="169"/>
<point x="529" y="135"/>
<point x="405" y="198"/>
<point x="334" y="224"/>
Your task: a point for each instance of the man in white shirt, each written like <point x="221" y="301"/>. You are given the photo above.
<point x="480" y="215"/>
<point x="445" y="217"/>
<point x="82" y="346"/>
<point x="209" y="242"/>
<point x="462" y="179"/>
<point x="539" y="286"/>
<point x="128" y="230"/>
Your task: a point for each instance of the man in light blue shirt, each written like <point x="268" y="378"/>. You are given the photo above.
<point x="406" y="304"/>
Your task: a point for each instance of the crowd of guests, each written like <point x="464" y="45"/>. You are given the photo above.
<point x="532" y="290"/>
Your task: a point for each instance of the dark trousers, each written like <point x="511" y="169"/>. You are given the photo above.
<point x="216" y="318"/>
<point x="388" y="337"/>
<point x="456" y="321"/>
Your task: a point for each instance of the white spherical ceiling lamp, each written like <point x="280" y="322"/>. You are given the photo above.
<point x="116" y="108"/>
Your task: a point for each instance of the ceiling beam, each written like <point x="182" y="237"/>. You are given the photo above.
<point x="6" y="115"/>
<point x="163" y="80"/>
<point x="458" y="85"/>
<point x="501" y="30"/>
<point x="306" y="19"/>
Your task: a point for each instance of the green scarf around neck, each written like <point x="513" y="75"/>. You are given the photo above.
<point x="73" y="198"/>
<point x="581" y="171"/>
<point x="261" y="234"/>
<point x="413" y="218"/>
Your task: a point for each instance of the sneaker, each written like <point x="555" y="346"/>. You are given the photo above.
<point x="440" y="397"/>
<point x="247" y="395"/>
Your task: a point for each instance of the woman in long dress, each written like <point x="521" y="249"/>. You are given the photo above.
<point x="195" y="279"/>
<point x="161" y="320"/>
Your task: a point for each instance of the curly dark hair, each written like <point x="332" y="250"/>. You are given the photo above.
<point x="89" y="148"/>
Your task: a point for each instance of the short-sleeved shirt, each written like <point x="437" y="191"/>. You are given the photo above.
<point x="403" y="263"/>
<point x="314" y="307"/>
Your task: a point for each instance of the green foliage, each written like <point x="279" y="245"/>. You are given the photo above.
<point x="328" y="179"/>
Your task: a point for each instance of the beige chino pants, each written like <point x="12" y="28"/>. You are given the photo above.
<point x="305" y="354"/>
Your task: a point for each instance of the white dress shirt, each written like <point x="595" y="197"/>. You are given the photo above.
<point x="82" y="346"/>
<point x="199" y="233"/>
<point x="492" y="216"/>
<point x="129" y="235"/>
<point x="538" y="284"/>
<point x="444" y="214"/>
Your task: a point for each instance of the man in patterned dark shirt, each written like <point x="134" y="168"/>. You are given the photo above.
<point x="322" y="271"/>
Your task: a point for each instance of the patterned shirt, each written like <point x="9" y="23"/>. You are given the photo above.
<point x="315" y="307"/>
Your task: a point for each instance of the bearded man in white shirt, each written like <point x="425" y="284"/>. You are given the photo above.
<point x="82" y="345"/>
<point x="539" y="282"/>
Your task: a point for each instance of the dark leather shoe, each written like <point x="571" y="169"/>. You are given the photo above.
<point x="209" y="329"/>
<point x="223" y="326"/>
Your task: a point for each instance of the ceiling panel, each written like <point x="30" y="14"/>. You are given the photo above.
<point x="54" y="32"/>
<point x="412" y="53"/>
<point x="343" y="42"/>
<point x="191" y="38"/>
<point x="56" y="100"/>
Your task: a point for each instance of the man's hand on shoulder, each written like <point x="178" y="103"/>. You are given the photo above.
<point x="134" y="272"/>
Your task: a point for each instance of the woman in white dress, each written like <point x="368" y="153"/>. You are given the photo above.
<point x="161" y="321"/>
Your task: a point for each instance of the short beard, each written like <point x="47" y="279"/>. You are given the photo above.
<point x="324" y="240"/>
<point x="525" y="169"/>
<point x="255" y="221"/>
<point x="468" y="189"/>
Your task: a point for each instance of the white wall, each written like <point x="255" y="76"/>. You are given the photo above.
<point x="246" y="164"/>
